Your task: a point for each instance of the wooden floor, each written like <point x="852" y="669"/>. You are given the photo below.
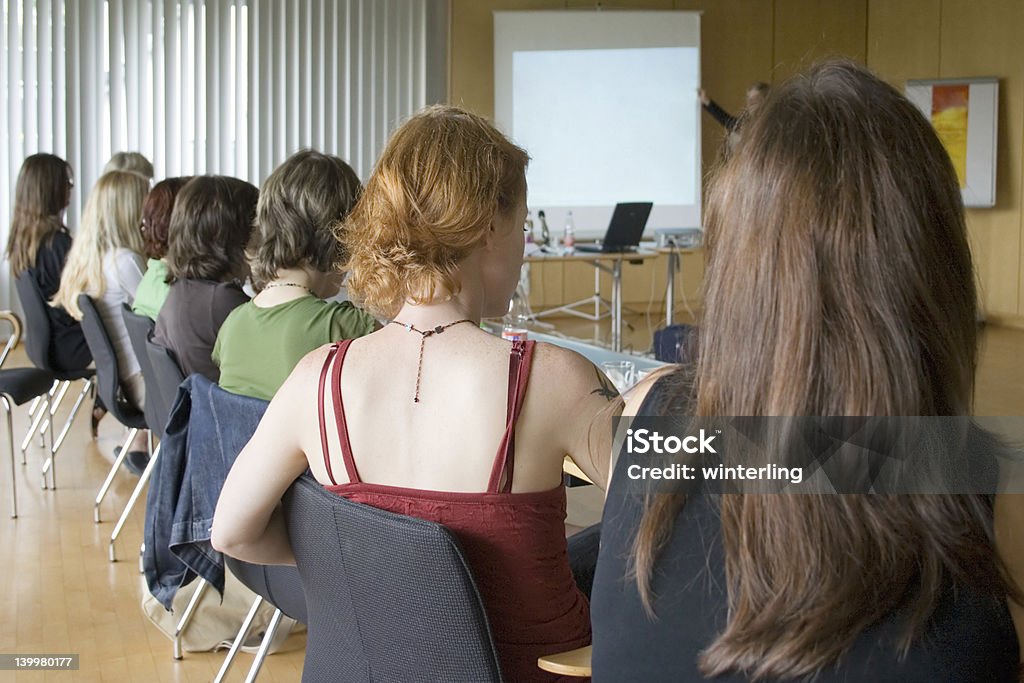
<point x="61" y="595"/>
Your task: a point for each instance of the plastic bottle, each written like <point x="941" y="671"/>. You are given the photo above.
<point x="516" y="319"/>
<point x="545" y="234"/>
<point x="569" y="238"/>
<point x="530" y="237"/>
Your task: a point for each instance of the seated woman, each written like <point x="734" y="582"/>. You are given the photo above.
<point x="39" y="243"/>
<point x="106" y="263"/>
<point x="436" y="244"/>
<point x="838" y="282"/>
<point x="156" y="216"/>
<point x="296" y="265"/>
<point x="210" y="226"/>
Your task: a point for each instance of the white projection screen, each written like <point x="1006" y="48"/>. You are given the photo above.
<point x="606" y="104"/>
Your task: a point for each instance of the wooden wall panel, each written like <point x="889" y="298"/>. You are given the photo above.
<point x="471" y="49"/>
<point x="981" y="38"/>
<point x="892" y="53"/>
<point x="736" y="50"/>
<point x="808" y="30"/>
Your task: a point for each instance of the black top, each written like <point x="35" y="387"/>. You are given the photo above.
<point x="68" y="350"/>
<point x="970" y="638"/>
<point x="721" y="115"/>
<point x="190" y="319"/>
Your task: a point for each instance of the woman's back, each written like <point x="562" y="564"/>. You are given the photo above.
<point x="514" y="542"/>
<point x="447" y="440"/>
<point x="969" y="639"/>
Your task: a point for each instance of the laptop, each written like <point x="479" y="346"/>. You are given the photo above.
<point x="624" y="230"/>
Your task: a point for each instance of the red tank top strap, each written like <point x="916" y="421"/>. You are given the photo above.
<point x="337" y="354"/>
<point x="520" y="358"/>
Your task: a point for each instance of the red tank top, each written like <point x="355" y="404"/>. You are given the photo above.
<point x="514" y="542"/>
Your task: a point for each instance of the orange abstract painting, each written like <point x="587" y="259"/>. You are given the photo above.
<point x="949" y="117"/>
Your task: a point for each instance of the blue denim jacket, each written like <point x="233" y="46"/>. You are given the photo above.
<point x="207" y="429"/>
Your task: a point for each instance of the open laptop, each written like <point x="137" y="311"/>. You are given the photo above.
<point x="624" y="230"/>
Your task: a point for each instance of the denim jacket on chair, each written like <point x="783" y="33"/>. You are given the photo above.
<point x="207" y="429"/>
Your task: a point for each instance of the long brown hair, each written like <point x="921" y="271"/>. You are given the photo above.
<point x="838" y="282"/>
<point x="40" y="197"/>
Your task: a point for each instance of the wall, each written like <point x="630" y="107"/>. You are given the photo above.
<point x="750" y="40"/>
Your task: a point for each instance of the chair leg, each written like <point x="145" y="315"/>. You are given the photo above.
<point x="38" y="420"/>
<point x="268" y="638"/>
<point x="186" y="616"/>
<point x="243" y="633"/>
<point x="64" y="386"/>
<point x="143" y="480"/>
<point x="56" y="444"/>
<point x="111" y="474"/>
<point x="10" y="442"/>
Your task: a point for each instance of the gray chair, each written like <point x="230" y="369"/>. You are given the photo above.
<point x="37" y="345"/>
<point x="108" y="381"/>
<point x="18" y="385"/>
<point x="389" y="597"/>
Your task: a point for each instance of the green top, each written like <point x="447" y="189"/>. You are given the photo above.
<point x="153" y="289"/>
<point x="257" y="348"/>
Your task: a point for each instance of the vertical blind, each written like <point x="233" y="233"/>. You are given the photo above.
<point x="209" y="86"/>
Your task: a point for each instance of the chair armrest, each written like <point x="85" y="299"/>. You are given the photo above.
<point x="12" y="341"/>
<point x="571" y="663"/>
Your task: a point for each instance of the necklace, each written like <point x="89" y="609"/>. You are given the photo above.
<point x="289" y="284"/>
<point x="423" y="339"/>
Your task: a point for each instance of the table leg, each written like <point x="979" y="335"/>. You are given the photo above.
<point x="617" y="305"/>
<point x="670" y="292"/>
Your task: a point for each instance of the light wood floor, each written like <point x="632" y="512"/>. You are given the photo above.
<point x="61" y="595"/>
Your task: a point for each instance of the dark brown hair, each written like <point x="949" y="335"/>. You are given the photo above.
<point x="210" y="227"/>
<point x="40" y="196"/>
<point x="443" y="177"/>
<point x="838" y="282"/>
<point x="299" y="204"/>
<point x="156" y="215"/>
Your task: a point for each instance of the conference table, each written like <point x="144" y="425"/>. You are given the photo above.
<point x="611" y="263"/>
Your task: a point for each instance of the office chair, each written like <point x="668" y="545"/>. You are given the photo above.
<point x="372" y="579"/>
<point x="18" y="385"/>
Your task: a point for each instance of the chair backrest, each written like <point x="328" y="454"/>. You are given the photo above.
<point x="389" y="597"/>
<point x="168" y="376"/>
<point x="108" y="376"/>
<point x="37" y="322"/>
<point x="140" y="327"/>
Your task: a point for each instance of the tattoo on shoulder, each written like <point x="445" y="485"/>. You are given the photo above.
<point x="605" y="388"/>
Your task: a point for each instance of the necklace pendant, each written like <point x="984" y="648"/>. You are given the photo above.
<point x="439" y="329"/>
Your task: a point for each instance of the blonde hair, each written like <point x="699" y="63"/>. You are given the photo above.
<point x="133" y="162"/>
<point x="442" y="179"/>
<point x="110" y="221"/>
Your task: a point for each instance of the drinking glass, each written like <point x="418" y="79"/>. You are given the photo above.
<point x="622" y="373"/>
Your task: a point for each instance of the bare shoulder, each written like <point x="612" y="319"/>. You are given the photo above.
<point x="570" y="371"/>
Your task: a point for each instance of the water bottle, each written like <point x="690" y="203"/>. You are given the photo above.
<point x="569" y="238"/>
<point x="545" y="234"/>
<point x="514" y="328"/>
<point x="530" y="237"/>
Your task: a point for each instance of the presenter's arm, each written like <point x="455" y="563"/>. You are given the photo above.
<point x="717" y="113"/>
